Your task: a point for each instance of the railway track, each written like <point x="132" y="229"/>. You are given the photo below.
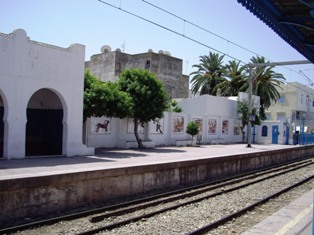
<point x="169" y="201"/>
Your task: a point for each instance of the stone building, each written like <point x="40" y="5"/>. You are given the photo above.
<point x="109" y="64"/>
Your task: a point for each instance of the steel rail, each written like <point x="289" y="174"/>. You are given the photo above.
<point x="135" y="207"/>
<point x="232" y="216"/>
<point x="199" y="188"/>
<point x="148" y="215"/>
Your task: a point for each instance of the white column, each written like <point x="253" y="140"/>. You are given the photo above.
<point x="14" y="138"/>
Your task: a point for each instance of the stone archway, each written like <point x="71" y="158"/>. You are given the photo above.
<point x="44" y="128"/>
<point x="1" y="126"/>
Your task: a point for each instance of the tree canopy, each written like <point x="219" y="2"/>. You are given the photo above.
<point x="212" y="74"/>
<point x="105" y="99"/>
<point x="148" y="96"/>
<point x="192" y="129"/>
<point x="266" y="82"/>
<point x="137" y="94"/>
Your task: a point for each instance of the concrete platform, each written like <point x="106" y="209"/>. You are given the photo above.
<point x="41" y="185"/>
<point x="119" y="158"/>
<point x="296" y="218"/>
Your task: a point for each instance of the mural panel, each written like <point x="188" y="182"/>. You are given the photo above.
<point x="199" y="121"/>
<point x="225" y="126"/>
<point x="236" y="128"/>
<point x="100" y="125"/>
<point x="158" y="126"/>
<point x="178" y="124"/>
<point x="212" y="126"/>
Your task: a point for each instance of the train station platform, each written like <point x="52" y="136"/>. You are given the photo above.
<point x="119" y="158"/>
<point x="67" y="181"/>
<point x="294" y="219"/>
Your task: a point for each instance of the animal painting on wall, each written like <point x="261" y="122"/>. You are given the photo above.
<point x="100" y="125"/>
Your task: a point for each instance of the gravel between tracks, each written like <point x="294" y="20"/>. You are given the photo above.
<point x="191" y="217"/>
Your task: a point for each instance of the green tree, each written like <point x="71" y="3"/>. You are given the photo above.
<point x="192" y="129"/>
<point x="174" y="107"/>
<point x="235" y="81"/>
<point x="148" y="95"/>
<point x="210" y="72"/>
<point x="266" y="82"/>
<point x="104" y="99"/>
<point x="243" y="115"/>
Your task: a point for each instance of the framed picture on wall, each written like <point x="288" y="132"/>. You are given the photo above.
<point x="100" y="125"/>
<point x="212" y="126"/>
<point x="225" y="126"/>
<point x="236" y="128"/>
<point x="158" y="126"/>
<point x="199" y="121"/>
<point x="178" y="124"/>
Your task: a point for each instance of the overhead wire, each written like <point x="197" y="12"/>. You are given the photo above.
<point x="168" y="29"/>
<point x="192" y="39"/>
<point x="220" y="37"/>
<point x="199" y="27"/>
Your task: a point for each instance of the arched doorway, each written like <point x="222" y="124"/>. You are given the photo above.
<point x="1" y="126"/>
<point x="44" y="124"/>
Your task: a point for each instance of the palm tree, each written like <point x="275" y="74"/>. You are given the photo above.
<point x="266" y="82"/>
<point x="210" y="72"/>
<point x="235" y="79"/>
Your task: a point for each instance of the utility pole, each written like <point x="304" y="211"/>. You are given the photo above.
<point x="249" y="126"/>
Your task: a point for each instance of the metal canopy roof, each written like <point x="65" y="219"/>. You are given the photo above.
<point x="292" y="20"/>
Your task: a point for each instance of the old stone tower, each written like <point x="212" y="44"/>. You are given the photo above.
<point x="109" y="64"/>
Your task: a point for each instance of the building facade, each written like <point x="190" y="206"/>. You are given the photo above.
<point x="109" y="64"/>
<point x="295" y="107"/>
<point x="41" y="98"/>
<point x="216" y="116"/>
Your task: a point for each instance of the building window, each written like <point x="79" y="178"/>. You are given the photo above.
<point x="281" y="100"/>
<point x="147" y="65"/>
<point x="268" y="116"/>
<point x="264" y="130"/>
<point x="281" y="116"/>
<point x="312" y="103"/>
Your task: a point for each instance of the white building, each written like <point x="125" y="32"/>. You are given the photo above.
<point x="41" y="98"/>
<point x="217" y="117"/>
<point x="295" y="105"/>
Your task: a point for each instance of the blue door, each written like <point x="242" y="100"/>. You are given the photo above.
<point x="287" y="134"/>
<point x="274" y="137"/>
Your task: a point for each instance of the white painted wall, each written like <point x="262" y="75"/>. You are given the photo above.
<point x="268" y="139"/>
<point x="27" y="66"/>
<point x="203" y="108"/>
<point x="206" y="108"/>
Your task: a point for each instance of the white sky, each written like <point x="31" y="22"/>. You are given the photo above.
<point x="94" y="24"/>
